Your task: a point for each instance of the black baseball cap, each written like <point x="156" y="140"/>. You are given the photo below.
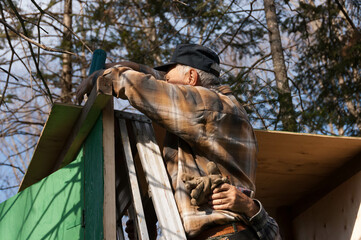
<point x="193" y="55"/>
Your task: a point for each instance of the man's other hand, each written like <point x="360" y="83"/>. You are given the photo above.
<point x="228" y="197"/>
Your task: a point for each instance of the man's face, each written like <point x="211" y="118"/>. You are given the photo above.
<point x="175" y="76"/>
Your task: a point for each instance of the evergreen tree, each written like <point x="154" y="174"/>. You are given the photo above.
<point x="328" y="69"/>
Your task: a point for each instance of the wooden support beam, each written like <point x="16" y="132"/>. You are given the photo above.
<point x="109" y="206"/>
<point x="99" y="97"/>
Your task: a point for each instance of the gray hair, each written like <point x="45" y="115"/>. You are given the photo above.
<point x="208" y="80"/>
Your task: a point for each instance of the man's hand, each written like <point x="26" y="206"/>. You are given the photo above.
<point x="228" y="197"/>
<point x="86" y="86"/>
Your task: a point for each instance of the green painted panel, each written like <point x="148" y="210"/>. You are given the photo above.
<point x="94" y="182"/>
<point x="49" y="209"/>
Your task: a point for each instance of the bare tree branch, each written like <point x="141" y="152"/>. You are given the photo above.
<point x="36" y="43"/>
<point x="56" y="19"/>
<point x="6" y="188"/>
<point x="13" y="166"/>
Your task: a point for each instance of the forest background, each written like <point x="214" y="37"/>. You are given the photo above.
<point x="295" y="65"/>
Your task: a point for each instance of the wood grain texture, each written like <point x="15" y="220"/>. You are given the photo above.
<point x="161" y="191"/>
<point x="139" y="215"/>
<point x="109" y="214"/>
<point x="93" y="183"/>
<point x="291" y="165"/>
<point x="336" y="216"/>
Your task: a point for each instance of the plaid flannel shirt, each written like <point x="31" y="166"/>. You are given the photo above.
<point x="265" y="227"/>
<point x="202" y="125"/>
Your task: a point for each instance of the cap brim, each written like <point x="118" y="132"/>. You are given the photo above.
<point x="165" y="67"/>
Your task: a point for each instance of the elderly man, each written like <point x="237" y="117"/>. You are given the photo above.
<point x="205" y="124"/>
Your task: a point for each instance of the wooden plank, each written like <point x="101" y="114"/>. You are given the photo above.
<point x="50" y="143"/>
<point x="97" y="100"/>
<point x="120" y="233"/>
<point x="123" y="194"/>
<point x="109" y="214"/>
<point x="161" y="191"/>
<point x="141" y="225"/>
<point x="94" y="183"/>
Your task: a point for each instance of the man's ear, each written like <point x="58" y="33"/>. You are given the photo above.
<point x="193" y="78"/>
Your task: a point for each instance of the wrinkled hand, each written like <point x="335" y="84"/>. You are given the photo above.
<point x="228" y="197"/>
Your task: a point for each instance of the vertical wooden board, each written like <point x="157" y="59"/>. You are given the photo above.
<point x="336" y="216"/>
<point x="49" y="209"/>
<point x="162" y="194"/>
<point x="137" y="198"/>
<point x="93" y="182"/>
<point x="109" y="215"/>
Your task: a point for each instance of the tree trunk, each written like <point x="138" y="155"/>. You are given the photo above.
<point x="66" y="79"/>
<point x="286" y="112"/>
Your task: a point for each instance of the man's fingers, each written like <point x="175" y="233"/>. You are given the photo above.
<point x="116" y="70"/>
<point x="220" y="207"/>
<point x="222" y="188"/>
<point x="219" y="204"/>
<point x="219" y="195"/>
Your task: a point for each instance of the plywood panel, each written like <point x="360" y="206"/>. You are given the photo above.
<point x="63" y="135"/>
<point x="98" y="99"/>
<point x="336" y="216"/>
<point x="49" y="209"/>
<point x="294" y="153"/>
<point x="291" y="165"/>
<point x="51" y="142"/>
<point x="275" y="190"/>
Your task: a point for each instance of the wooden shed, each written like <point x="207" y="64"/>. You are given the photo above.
<point x="311" y="184"/>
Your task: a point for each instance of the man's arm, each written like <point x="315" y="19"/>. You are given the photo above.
<point x="87" y="84"/>
<point x="178" y="108"/>
<point x="139" y="68"/>
<point x="228" y="197"/>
